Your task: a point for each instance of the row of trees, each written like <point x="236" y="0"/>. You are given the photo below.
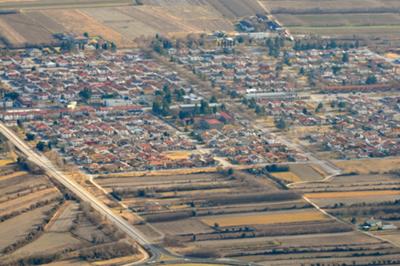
<point x="274" y="46"/>
<point x="318" y="44"/>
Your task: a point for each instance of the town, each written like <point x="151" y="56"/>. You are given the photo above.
<point x="187" y="132"/>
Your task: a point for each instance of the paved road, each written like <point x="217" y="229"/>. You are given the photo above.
<point x="81" y="193"/>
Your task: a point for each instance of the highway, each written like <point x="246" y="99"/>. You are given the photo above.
<point x="81" y="193"/>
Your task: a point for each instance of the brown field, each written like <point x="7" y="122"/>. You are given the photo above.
<point x="337" y="20"/>
<point x="51" y="242"/>
<point x="306" y="172"/>
<point x="12" y="175"/>
<point x="10" y="33"/>
<point x="392" y="56"/>
<point x="364" y="18"/>
<point x="4" y="162"/>
<point x="73" y="262"/>
<point x="267" y="218"/>
<point x="287" y="176"/>
<point x="117" y="261"/>
<point x="304" y="5"/>
<point x="21" y="28"/>
<point x="50" y="24"/>
<point x="25" y="201"/>
<point x="5" y="1"/>
<point x="182" y="227"/>
<point x="164" y="172"/>
<point x="77" y="21"/>
<point x="393" y="236"/>
<point x="366" y="166"/>
<point x="22" y="184"/>
<point x="136" y="21"/>
<point x="383" y="31"/>
<point x="121" y="22"/>
<point x="350" y="194"/>
<point x="231" y="9"/>
<point x="63" y="219"/>
<point x="295" y="241"/>
<point x="177" y="155"/>
<point x="15" y="228"/>
<point x="302" y="130"/>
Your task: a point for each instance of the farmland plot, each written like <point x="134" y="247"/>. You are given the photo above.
<point x="279" y="6"/>
<point x="265" y="218"/>
<point x="16" y="228"/>
<point x="20" y="29"/>
<point x="23" y="202"/>
<point x="51" y="243"/>
<point x="77" y="21"/>
<point x="231" y="9"/>
<point x="366" y="166"/>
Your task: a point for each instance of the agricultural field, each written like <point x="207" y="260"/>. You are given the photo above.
<point x="37" y="222"/>
<point x="227" y="8"/>
<point x="120" y="22"/>
<point x="264" y="218"/>
<point x="367" y="166"/>
<point x="274" y="250"/>
<point x="241" y="215"/>
<point x="355" y="198"/>
<point x="340" y="18"/>
<point x="300" y="173"/>
<point x="20" y="29"/>
<point x="336" y="6"/>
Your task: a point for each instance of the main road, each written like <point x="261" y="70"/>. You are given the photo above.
<point x="154" y="251"/>
<point x="82" y="193"/>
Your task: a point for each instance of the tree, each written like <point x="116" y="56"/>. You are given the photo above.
<point x="213" y="99"/>
<point x="335" y="69"/>
<point x="259" y="110"/>
<point x="179" y="94"/>
<point x="156" y="107"/>
<point x="165" y="107"/>
<point x="281" y="123"/>
<point x="216" y="226"/>
<point x="41" y="146"/>
<point x="85" y="34"/>
<point x="85" y="94"/>
<point x="230" y="171"/>
<point x="20" y="124"/>
<point x="11" y="95"/>
<point x="67" y="46"/>
<point x="286" y="59"/>
<point x="113" y="47"/>
<point x="371" y="79"/>
<point x="157" y="47"/>
<point x="345" y="58"/>
<point x="319" y="107"/>
<point x="204" y="125"/>
<point x="30" y="136"/>
<point x="302" y="71"/>
<point x="204" y="107"/>
<point x="332" y="44"/>
<point x="342" y="104"/>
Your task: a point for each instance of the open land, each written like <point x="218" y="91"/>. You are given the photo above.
<point x="37" y="221"/>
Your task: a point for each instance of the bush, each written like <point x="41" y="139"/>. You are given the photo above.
<point x="108" y="251"/>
